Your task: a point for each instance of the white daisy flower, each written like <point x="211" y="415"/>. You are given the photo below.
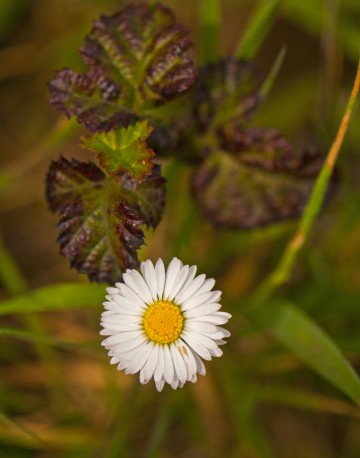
<point x="162" y="323"/>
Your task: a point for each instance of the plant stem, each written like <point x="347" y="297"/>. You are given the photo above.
<point x="210" y="16"/>
<point x="283" y="270"/>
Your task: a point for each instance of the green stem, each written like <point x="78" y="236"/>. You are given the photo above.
<point x="210" y="16"/>
<point x="257" y="29"/>
<point x="283" y="270"/>
<point x="15" y="284"/>
<point x="11" y="278"/>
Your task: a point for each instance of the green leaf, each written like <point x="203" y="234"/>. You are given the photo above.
<point x="102" y="216"/>
<point x="139" y="58"/>
<point x="312" y="345"/>
<point x="43" y="339"/>
<point x="55" y="297"/>
<point x="257" y="29"/>
<point x="257" y="179"/>
<point x="124" y="149"/>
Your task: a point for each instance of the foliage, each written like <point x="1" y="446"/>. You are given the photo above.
<point x="102" y="216"/>
<point x="139" y="59"/>
<point x="234" y="188"/>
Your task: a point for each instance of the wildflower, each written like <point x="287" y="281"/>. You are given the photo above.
<point x="162" y="323"/>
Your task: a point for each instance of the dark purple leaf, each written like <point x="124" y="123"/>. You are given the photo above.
<point x="91" y="97"/>
<point x="101" y="216"/>
<point x="227" y="91"/>
<point x="139" y="58"/>
<point x="261" y="180"/>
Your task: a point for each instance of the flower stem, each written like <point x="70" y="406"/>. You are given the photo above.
<point x="283" y="270"/>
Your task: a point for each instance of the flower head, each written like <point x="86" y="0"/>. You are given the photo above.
<point x="161" y="323"/>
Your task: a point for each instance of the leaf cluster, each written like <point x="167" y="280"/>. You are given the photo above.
<point x="142" y="97"/>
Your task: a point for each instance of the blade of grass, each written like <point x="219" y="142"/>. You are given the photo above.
<point x="302" y="399"/>
<point x="55" y="297"/>
<point x="257" y="29"/>
<point x="298" y="332"/>
<point x="44" y="339"/>
<point x="12" y="423"/>
<point x="161" y="427"/>
<point x="283" y="270"/>
<point x="210" y="17"/>
<point x="10" y="276"/>
<point x="269" y="81"/>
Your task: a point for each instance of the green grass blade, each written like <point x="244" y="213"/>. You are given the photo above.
<point x="283" y="270"/>
<point x="210" y="16"/>
<point x="55" y="297"/>
<point x="307" y="400"/>
<point x="30" y="336"/>
<point x="257" y="29"/>
<point x="10" y="275"/>
<point x="312" y="345"/>
<point x="269" y="81"/>
<point x="12" y="423"/>
<point x="161" y="427"/>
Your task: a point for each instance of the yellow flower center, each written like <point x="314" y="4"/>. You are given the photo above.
<point x="163" y="322"/>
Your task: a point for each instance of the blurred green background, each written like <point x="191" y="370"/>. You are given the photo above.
<point x="59" y="397"/>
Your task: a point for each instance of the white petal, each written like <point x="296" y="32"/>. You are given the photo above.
<point x="159" y="371"/>
<point x="216" y="352"/>
<point x="129" y="294"/>
<point x="124" y="347"/>
<point x="150" y="366"/>
<point x="201" y="327"/>
<point x="220" y="342"/>
<point x="175" y="383"/>
<point x="197" y="346"/>
<point x="189" y="278"/>
<point x="116" y="308"/>
<point x="160" y="278"/>
<point x="179" y="364"/>
<point x="197" y="300"/>
<point x="205" y="309"/>
<point x="122" y="365"/>
<point x="137" y="363"/>
<point x="150" y="278"/>
<point x="121" y="337"/>
<point x="136" y="282"/>
<point x="112" y="290"/>
<point x="188" y="291"/>
<point x="108" y="331"/>
<point x="179" y="282"/>
<point x="207" y="286"/>
<point x="199" y="364"/>
<point x="220" y="334"/>
<point x="126" y="304"/>
<point x="168" y="365"/>
<point x="188" y="357"/>
<point x="216" y="296"/>
<point x="122" y="319"/>
<point x="205" y="340"/>
<point x="160" y="385"/>
<point x="121" y="327"/>
<point x="215" y="318"/>
<point x="171" y="273"/>
<point x="115" y="360"/>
